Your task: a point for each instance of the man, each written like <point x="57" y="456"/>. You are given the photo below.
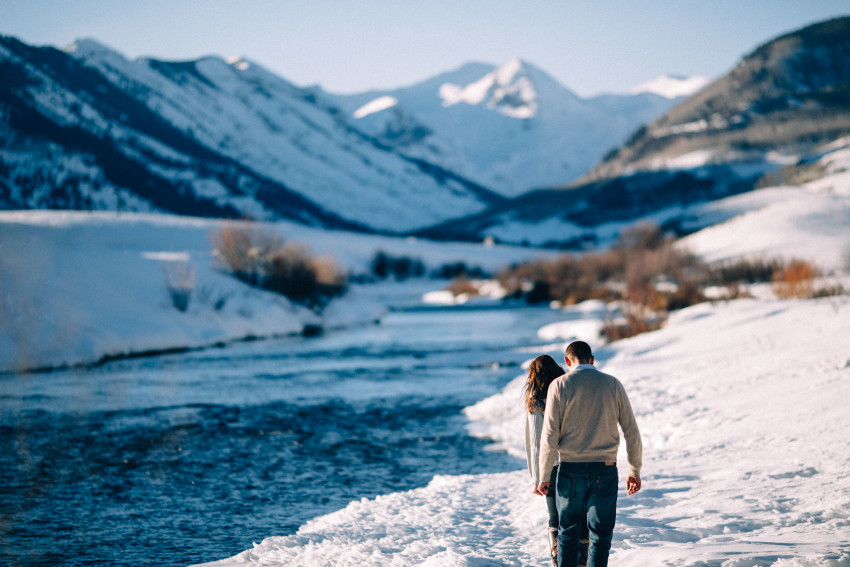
<point x="583" y="409"/>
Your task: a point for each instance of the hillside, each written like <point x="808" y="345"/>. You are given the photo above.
<point x="87" y="129"/>
<point x="778" y="103"/>
<point x="102" y="278"/>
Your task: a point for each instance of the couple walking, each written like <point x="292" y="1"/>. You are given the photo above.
<point x="571" y="439"/>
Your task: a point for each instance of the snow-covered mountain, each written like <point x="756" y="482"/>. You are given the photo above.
<point x="87" y="128"/>
<point x="512" y="128"/>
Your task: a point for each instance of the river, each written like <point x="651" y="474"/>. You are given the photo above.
<point x="185" y="458"/>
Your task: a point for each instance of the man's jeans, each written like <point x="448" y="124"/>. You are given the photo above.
<point x="586" y="490"/>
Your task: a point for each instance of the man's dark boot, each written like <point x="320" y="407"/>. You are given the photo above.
<point x="553" y="545"/>
<point x="582" y="552"/>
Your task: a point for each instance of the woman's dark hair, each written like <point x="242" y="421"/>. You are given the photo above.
<point x="541" y="372"/>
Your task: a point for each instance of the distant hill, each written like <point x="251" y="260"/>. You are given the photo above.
<point x="778" y="103"/>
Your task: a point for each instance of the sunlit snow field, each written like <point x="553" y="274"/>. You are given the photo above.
<point x="742" y="404"/>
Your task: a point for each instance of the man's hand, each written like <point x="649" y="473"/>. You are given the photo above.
<point x="632" y="485"/>
<point x="542" y="489"/>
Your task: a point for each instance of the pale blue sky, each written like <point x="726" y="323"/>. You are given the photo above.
<point x="346" y="46"/>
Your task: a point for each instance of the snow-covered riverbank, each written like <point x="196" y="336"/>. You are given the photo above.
<point x="78" y="287"/>
<point x="742" y="407"/>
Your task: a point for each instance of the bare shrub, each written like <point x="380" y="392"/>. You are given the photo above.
<point x="568" y="279"/>
<point x="462" y="286"/>
<point x="180" y="282"/>
<point x="292" y="271"/>
<point x="400" y="267"/>
<point x="687" y="293"/>
<point x="829" y="290"/>
<point x="458" y="270"/>
<point x="634" y="269"/>
<point x="327" y="272"/>
<point x="244" y="250"/>
<point x="745" y="270"/>
<point x="634" y="322"/>
<point x="288" y="271"/>
<point x="644" y="269"/>
<point x="735" y="291"/>
<point x="796" y="280"/>
<point x="262" y="259"/>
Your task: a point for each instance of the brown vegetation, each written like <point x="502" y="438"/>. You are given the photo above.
<point x="642" y="268"/>
<point x="244" y="249"/>
<point x="462" y="286"/>
<point x="633" y="323"/>
<point x="651" y="277"/>
<point x="261" y="258"/>
<point x="796" y="280"/>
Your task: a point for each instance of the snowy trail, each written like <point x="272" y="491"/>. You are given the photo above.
<point x="743" y="411"/>
<point x="744" y="417"/>
<point x="444" y="523"/>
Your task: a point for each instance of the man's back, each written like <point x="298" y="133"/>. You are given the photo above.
<point x="584" y="408"/>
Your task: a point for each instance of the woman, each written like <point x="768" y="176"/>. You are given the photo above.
<point x="541" y="372"/>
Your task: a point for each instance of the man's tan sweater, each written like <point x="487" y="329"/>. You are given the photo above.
<point x="583" y="409"/>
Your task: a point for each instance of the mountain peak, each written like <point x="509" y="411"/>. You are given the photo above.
<point x="246" y="65"/>
<point x="509" y="70"/>
<point x="87" y="47"/>
<point x="508" y="90"/>
<point x="671" y="86"/>
<point x="242" y="63"/>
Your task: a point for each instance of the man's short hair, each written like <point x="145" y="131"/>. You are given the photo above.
<point x="580" y="351"/>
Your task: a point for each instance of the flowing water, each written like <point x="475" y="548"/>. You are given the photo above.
<point x="185" y="458"/>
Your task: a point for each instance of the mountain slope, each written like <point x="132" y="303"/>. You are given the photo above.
<point x="787" y="96"/>
<point x="205" y="137"/>
<point x="512" y="128"/>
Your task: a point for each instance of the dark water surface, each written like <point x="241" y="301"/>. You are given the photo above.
<point x="182" y="459"/>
